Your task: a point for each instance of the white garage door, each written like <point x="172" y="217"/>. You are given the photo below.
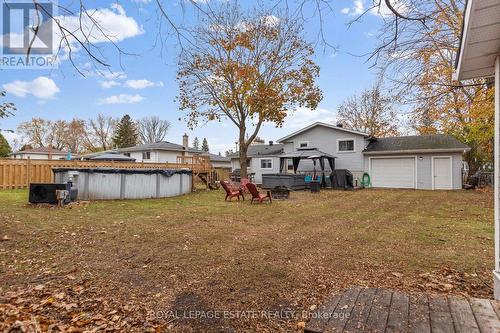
<point x="393" y="172"/>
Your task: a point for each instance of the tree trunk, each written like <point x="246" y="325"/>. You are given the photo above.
<point x="243" y="154"/>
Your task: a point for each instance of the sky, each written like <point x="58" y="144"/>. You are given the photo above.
<point x="142" y="82"/>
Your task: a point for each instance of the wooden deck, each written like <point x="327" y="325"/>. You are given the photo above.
<point x="380" y="310"/>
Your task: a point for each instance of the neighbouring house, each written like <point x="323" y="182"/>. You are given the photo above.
<point x="220" y="162"/>
<point x="261" y="159"/>
<point x="417" y="162"/>
<point x="108" y="155"/>
<point x="40" y="153"/>
<point x="167" y="152"/>
<point x="479" y="57"/>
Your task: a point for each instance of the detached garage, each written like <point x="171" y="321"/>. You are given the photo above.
<point x="431" y="162"/>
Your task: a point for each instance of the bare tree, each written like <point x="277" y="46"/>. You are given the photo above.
<point x="152" y="129"/>
<point x="416" y="52"/>
<point x="370" y="112"/>
<point x="58" y="134"/>
<point x="36" y="132"/>
<point x="6" y="108"/>
<point x="99" y="132"/>
<point x="80" y="30"/>
<point x="75" y="135"/>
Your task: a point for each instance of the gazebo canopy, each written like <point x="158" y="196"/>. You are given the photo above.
<point x="313" y="154"/>
<point x="310" y="153"/>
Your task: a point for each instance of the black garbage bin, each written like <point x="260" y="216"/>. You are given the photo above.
<point x="315" y="186"/>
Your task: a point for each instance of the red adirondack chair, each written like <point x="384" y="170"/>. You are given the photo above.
<point x="243" y="184"/>
<point x="256" y="194"/>
<point x="231" y="191"/>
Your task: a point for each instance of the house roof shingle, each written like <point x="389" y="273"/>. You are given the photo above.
<point x="165" y="145"/>
<point x="416" y="143"/>
<point x="219" y="158"/>
<point x="261" y="150"/>
<point x="318" y="123"/>
<point x="162" y="145"/>
<point x="40" y="150"/>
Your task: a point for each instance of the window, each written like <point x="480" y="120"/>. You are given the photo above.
<point x="289" y="166"/>
<point x="266" y="163"/>
<point x="346" y="145"/>
<point x="126" y="154"/>
<point x="146" y="155"/>
<point x="303" y="144"/>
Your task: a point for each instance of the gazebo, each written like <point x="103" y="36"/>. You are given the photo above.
<point x="313" y="154"/>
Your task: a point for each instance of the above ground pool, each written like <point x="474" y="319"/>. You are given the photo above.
<point x="111" y="183"/>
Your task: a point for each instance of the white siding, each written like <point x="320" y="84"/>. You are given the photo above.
<point x="222" y="165"/>
<point x="326" y="140"/>
<point x="157" y="156"/>
<point x="38" y="156"/>
<point x="235" y="164"/>
<point x="424" y="169"/>
<point x="255" y="167"/>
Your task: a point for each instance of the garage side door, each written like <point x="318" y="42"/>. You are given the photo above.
<point x="393" y="172"/>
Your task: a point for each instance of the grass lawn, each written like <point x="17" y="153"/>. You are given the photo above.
<point x="111" y="264"/>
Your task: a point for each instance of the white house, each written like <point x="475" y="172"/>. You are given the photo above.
<point x="262" y="159"/>
<point x="479" y="57"/>
<point x="40" y="153"/>
<point x="416" y="162"/>
<point x="167" y="152"/>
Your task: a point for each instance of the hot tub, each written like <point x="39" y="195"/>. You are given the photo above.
<point x="110" y="183"/>
<point x="290" y="181"/>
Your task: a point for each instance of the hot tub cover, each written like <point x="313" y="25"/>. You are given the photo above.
<point x="164" y="172"/>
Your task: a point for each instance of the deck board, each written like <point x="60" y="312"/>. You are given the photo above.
<point x="486" y="317"/>
<point x="320" y="318"/>
<point x="359" y="309"/>
<point x="359" y="314"/>
<point x="343" y="310"/>
<point x="441" y="319"/>
<point x="398" y="313"/>
<point x="377" y="320"/>
<point x="419" y="320"/>
<point x="463" y="318"/>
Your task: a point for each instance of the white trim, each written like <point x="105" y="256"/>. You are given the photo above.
<point x="318" y="123"/>
<point x="463" y="41"/>
<point x="417" y="151"/>
<point x="497" y="163"/>
<point x="394" y="157"/>
<point x="260" y="164"/>
<point x="36" y="153"/>
<point x="301" y="142"/>
<point x="450" y="158"/>
<point x="346" y="151"/>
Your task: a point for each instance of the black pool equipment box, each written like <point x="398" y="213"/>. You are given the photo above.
<point x="46" y="192"/>
<point x="342" y="179"/>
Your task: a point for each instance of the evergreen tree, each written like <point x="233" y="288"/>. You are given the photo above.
<point x="196" y="143"/>
<point x="204" y="145"/>
<point x="4" y="147"/>
<point x="126" y="134"/>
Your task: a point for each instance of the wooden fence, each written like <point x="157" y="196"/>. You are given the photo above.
<point x="19" y="173"/>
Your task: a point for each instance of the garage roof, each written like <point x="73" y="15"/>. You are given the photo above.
<point x="416" y="143"/>
<point x="480" y="42"/>
<point x="261" y="150"/>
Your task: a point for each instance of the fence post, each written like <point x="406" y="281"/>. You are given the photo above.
<point x="28" y="172"/>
